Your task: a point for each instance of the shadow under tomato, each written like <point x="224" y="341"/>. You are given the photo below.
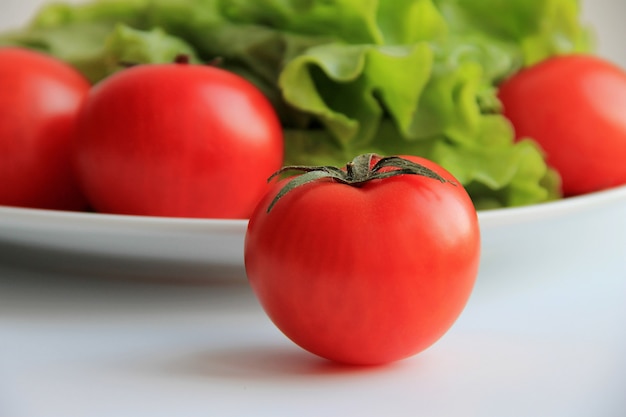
<point x="262" y="362"/>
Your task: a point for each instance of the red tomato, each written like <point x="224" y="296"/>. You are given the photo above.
<point x="575" y="107"/>
<point x="365" y="274"/>
<point x="177" y="140"/>
<point x="39" y="98"/>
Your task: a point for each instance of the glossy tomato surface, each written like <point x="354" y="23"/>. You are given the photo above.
<point x="574" y="106"/>
<point x="367" y="274"/>
<point x="177" y="140"/>
<point x="39" y="98"/>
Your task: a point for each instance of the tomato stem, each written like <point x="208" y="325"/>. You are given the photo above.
<point x="350" y="171"/>
<point x="182" y="59"/>
<point x="361" y="169"/>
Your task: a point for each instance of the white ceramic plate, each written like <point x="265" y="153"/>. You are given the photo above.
<point x="158" y="238"/>
<point x="154" y="246"/>
<point x="123" y="246"/>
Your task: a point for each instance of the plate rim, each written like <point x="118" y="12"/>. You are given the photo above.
<point x="487" y="218"/>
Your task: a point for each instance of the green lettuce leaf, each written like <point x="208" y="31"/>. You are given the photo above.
<point x="126" y="45"/>
<point x="349" y="88"/>
<point x="539" y="28"/>
<point x="454" y="116"/>
<point x="373" y="22"/>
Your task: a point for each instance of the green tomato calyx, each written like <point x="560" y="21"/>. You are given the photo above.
<point x="182" y="59"/>
<point x="361" y="169"/>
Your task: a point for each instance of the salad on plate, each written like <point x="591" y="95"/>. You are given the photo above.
<point x="348" y="77"/>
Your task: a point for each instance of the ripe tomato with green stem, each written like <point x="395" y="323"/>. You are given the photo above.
<point x="177" y="140"/>
<point x="574" y="107"/>
<point x="368" y="264"/>
<point x="39" y="97"/>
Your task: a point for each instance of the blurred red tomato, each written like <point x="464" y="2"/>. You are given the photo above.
<point x="39" y="98"/>
<point x="177" y="140"/>
<point x="574" y="106"/>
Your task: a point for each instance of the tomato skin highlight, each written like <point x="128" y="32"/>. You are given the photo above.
<point x="177" y="140"/>
<point x="573" y="106"/>
<point x="40" y="97"/>
<point x="365" y="275"/>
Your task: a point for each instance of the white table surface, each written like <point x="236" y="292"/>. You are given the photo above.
<point x="547" y="345"/>
<point x="107" y="348"/>
<point x="535" y="343"/>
